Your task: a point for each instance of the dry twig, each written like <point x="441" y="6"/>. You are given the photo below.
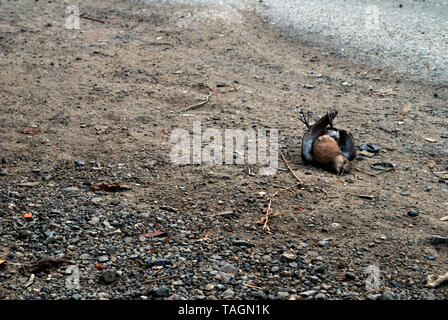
<point x="197" y="105"/>
<point x="264" y="220"/>
<point x="250" y="285"/>
<point x="82" y="15"/>
<point x="382" y="171"/>
<point x="298" y="179"/>
<point x="287" y="164"/>
<point x="224" y="213"/>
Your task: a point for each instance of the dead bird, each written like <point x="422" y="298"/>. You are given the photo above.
<point x="327" y="147"/>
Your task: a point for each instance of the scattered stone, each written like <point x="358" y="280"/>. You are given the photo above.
<point x="335" y="225"/>
<point x="349" y="276"/>
<point x="79" y="163"/>
<point x="160" y="292"/>
<point x="228" y="294"/>
<point x="375" y="296"/>
<point x="224" y="276"/>
<point x="320" y="296"/>
<point x="436" y="240"/>
<point x="388" y="295"/>
<point x="325" y="242"/>
<point x="308" y="293"/>
<point x="103" y="259"/>
<point x="209" y="287"/>
<point x="70" y="189"/>
<point x="266" y="258"/>
<point x="242" y="243"/>
<point x="29" y="184"/>
<point x="103" y="296"/>
<point x="94" y="221"/>
<point x="289" y="256"/>
<point x="258" y="295"/>
<point x="412" y="213"/>
<point x="282" y="295"/>
<point x="168" y="208"/>
<point x="158" y="262"/>
<point x="108" y="276"/>
<point x="85" y="256"/>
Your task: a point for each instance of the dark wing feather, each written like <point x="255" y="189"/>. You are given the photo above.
<point x="347" y="144"/>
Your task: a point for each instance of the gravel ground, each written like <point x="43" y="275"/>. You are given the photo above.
<point x="81" y="108"/>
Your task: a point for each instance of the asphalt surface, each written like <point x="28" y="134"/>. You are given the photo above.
<point x="409" y="36"/>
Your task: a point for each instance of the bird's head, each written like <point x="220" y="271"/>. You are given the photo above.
<point x="341" y="165"/>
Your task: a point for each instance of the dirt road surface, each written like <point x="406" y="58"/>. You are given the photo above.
<point x="97" y="105"/>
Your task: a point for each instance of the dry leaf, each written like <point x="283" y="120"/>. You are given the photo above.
<point x="156" y="233"/>
<point x="34" y="131"/>
<point x="445" y="218"/>
<point x="28" y="215"/>
<point x="100" y="266"/>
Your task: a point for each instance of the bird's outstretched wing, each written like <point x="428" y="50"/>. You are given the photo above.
<point x="347" y="144"/>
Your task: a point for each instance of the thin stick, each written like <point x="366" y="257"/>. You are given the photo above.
<point x="157" y="272"/>
<point x="386" y="170"/>
<point x="287" y="164"/>
<point x="374" y="174"/>
<point x="158" y="279"/>
<point x="250" y="285"/>
<point x="298" y="179"/>
<point x="197" y="105"/>
<point x="222" y="213"/>
<point x="82" y="15"/>
<point x="363" y="171"/>
<point x="268" y="213"/>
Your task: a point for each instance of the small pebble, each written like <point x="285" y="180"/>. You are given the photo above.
<point x="412" y="213"/>
<point x="108" y="276"/>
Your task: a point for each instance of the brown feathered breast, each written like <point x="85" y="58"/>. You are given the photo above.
<point x="325" y="150"/>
